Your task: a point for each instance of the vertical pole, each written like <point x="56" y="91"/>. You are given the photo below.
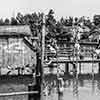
<point x="98" y="65"/>
<point x="99" y="68"/>
<point x="93" y="82"/>
<point x="80" y="64"/>
<point x="57" y="74"/>
<point x="38" y="77"/>
<point x="75" y="75"/>
<point x="67" y="68"/>
<point x="79" y="68"/>
<point x="58" y="90"/>
<point x="42" y="57"/>
<point x="98" y="57"/>
<point x="37" y="86"/>
<point x="39" y="69"/>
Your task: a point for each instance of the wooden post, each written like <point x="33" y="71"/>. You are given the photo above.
<point x="79" y="68"/>
<point x="80" y="64"/>
<point x="39" y="68"/>
<point x="98" y="57"/>
<point x="75" y="75"/>
<point x="42" y="55"/>
<point x="39" y="78"/>
<point x="58" y="88"/>
<point x="98" y="65"/>
<point x="67" y="68"/>
<point x="99" y="68"/>
<point x="37" y="86"/>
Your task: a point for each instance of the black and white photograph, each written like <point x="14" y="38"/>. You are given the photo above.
<point x="50" y="50"/>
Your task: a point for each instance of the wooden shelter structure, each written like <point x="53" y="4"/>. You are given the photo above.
<point x="14" y="50"/>
<point x="17" y="52"/>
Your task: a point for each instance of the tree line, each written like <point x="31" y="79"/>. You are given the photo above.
<point x="54" y="27"/>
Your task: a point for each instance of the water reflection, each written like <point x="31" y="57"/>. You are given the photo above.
<point x="88" y="89"/>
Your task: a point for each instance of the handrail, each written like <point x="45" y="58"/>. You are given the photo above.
<point x="18" y="93"/>
<point x="79" y="61"/>
<point x="81" y="43"/>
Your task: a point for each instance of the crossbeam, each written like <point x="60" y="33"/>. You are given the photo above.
<point x="81" y="43"/>
<point x="18" y="93"/>
<point x="79" y="61"/>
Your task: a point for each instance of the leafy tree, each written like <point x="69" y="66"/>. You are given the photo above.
<point x="96" y="20"/>
<point x="20" y="19"/>
<point x="13" y="21"/>
<point x="34" y="20"/>
<point x="76" y="21"/>
<point x="6" y="22"/>
<point x="1" y="22"/>
<point x="56" y="28"/>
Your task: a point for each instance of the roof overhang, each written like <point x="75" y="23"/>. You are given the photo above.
<point x="15" y="31"/>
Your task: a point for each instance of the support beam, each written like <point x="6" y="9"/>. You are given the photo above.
<point x="18" y="93"/>
<point x="67" y="68"/>
<point x="42" y="56"/>
<point x="81" y="43"/>
<point x="79" y="61"/>
<point x="38" y="79"/>
<point x="79" y="68"/>
<point x="99" y="68"/>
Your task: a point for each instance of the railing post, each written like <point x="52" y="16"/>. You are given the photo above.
<point x="37" y="86"/>
<point x="67" y="68"/>
<point x="98" y="65"/>
<point x="79" y="68"/>
<point x="42" y="55"/>
<point x="99" y="68"/>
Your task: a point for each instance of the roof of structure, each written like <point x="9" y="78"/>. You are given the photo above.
<point x="18" y="30"/>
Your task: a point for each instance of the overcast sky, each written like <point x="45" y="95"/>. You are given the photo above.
<point x="9" y="8"/>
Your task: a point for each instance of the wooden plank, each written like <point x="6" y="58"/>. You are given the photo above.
<point x="64" y="55"/>
<point x="34" y="38"/>
<point x="81" y="43"/>
<point x="18" y="93"/>
<point x="15" y="30"/>
<point x="79" y="61"/>
<point x="29" y="44"/>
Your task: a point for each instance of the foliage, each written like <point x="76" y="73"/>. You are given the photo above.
<point x="34" y="20"/>
<point x="13" y="21"/>
<point x="1" y="22"/>
<point x="56" y="28"/>
<point x="96" y="20"/>
<point x="7" y="21"/>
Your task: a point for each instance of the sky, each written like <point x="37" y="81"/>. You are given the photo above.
<point x="64" y="8"/>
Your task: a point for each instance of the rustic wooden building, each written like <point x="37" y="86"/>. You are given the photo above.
<point x="14" y="51"/>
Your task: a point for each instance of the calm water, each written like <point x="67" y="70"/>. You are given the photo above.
<point x="87" y="90"/>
